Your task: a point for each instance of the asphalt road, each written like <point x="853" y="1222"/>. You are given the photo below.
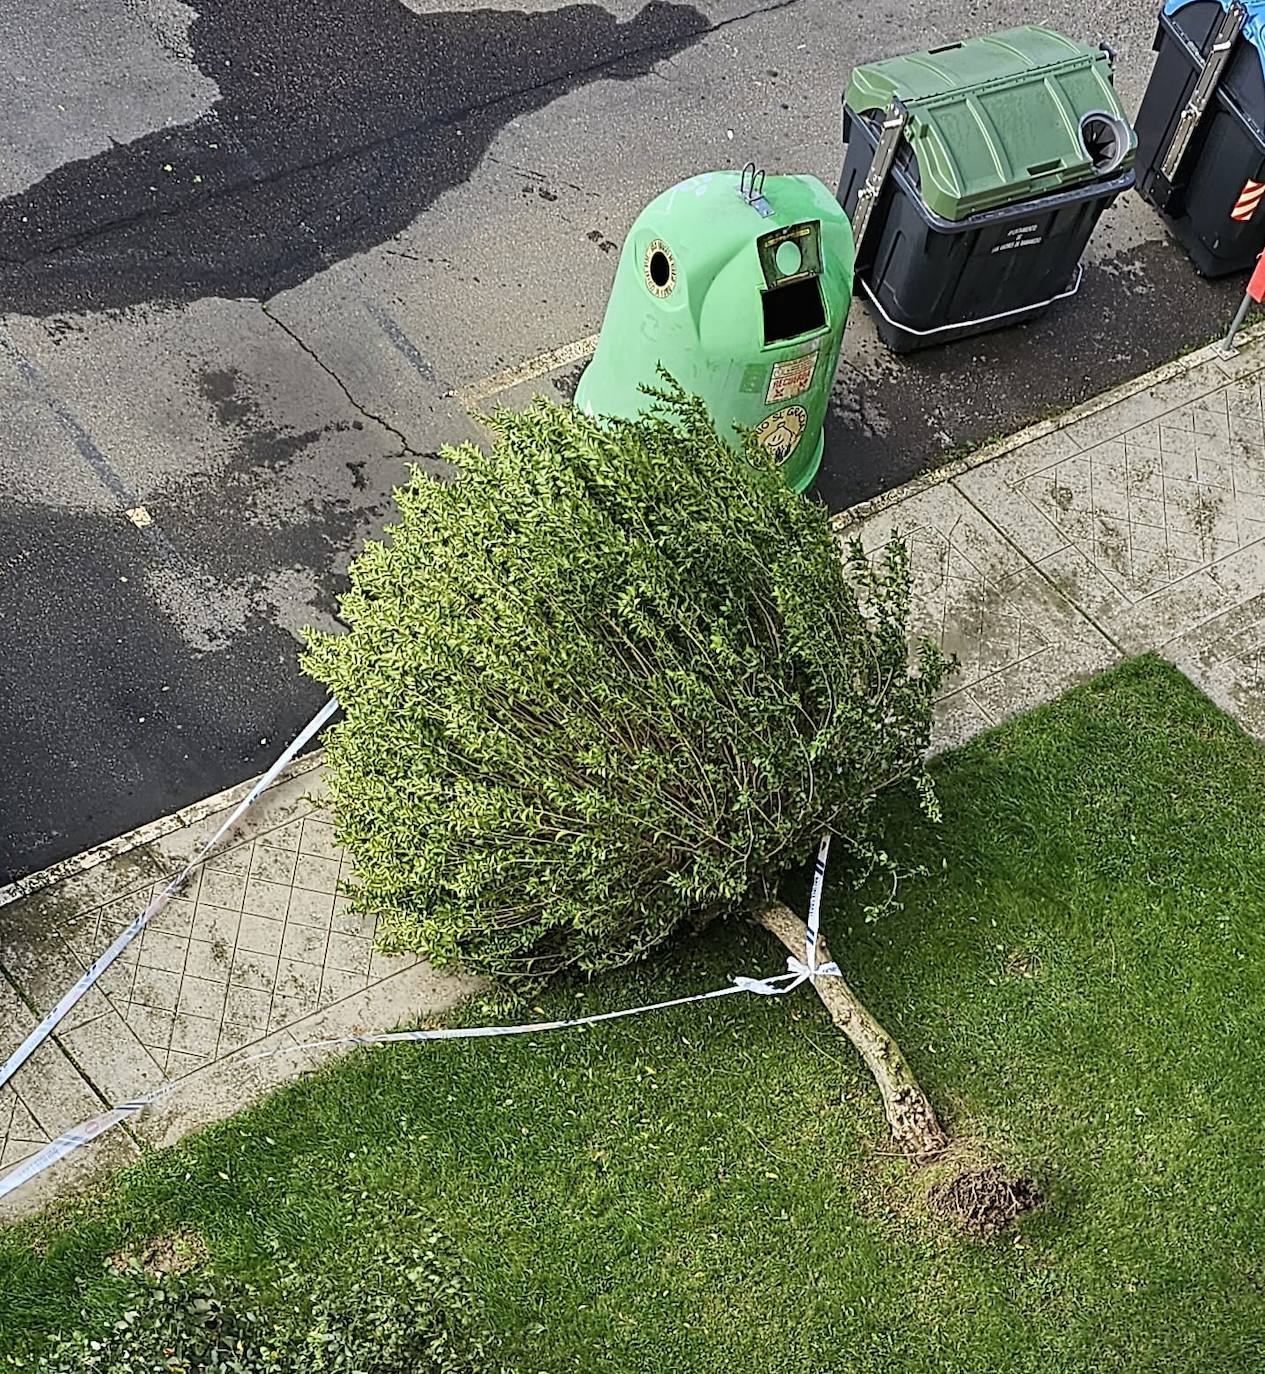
<point x="250" y="249"/>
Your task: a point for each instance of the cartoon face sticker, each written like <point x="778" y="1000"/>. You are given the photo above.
<point x="782" y="431"/>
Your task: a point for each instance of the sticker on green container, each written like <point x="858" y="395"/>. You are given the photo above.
<point x="781" y="432"/>
<point x="790" y="379"/>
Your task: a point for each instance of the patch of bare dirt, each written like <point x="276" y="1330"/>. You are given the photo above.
<point x="179" y="1253"/>
<point x="1021" y="963"/>
<point x="984" y="1200"/>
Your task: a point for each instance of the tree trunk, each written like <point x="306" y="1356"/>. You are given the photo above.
<point x="913" y="1121"/>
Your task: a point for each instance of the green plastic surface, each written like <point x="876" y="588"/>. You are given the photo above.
<point x="994" y="120"/>
<point x="699" y="280"/>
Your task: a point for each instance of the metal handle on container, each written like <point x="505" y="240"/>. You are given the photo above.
<point x="1205" y="87"/>
<point x="881" y="164"/>
<point x="982" y="319"/>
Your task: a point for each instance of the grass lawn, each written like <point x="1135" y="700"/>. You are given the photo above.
<point x="1080" y="981"/>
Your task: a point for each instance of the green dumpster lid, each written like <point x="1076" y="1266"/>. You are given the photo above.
<point x="996" y="120"/>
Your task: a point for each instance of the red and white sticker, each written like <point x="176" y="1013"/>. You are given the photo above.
<point x="790" y="379"/>
<point x="1249" y="198"/>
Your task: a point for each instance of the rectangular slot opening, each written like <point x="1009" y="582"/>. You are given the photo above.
<point x="793" y="309"/>
<point x="1040" y="168"/>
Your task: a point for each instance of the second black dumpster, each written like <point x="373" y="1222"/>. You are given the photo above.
<point x="1201" y="132"/>
<point x="974" y="176"/>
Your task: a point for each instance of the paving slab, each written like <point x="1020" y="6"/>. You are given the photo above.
<point x="1225" y="655"/>
<point x="48" y="1096"/>
<point x="1135" y="523"/>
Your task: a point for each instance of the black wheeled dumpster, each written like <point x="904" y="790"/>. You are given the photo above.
<point x="974" y="176"/>
<point x="1201" y="132"/>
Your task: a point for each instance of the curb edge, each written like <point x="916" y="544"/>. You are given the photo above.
<point x="153" y="830"/>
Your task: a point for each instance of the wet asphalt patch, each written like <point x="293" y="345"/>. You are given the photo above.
<point x="335" y="128"/>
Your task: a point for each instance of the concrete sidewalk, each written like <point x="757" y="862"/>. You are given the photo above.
<point x="257" y="951"/>
<point x="1133" y="523"/>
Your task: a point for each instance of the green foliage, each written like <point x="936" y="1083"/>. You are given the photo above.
<point x="406" y="1312"/>
<point x="614" y="678"/>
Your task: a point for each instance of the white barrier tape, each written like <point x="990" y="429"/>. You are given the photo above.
<point x="68" y="1000"/>
<point x="814" y="906"/>
<point x="83" y="1134"/>
<point x="792" y="980"/>
<point x="798" y="972"/>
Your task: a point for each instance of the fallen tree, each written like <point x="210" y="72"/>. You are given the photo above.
<point x="612" y="680"/>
